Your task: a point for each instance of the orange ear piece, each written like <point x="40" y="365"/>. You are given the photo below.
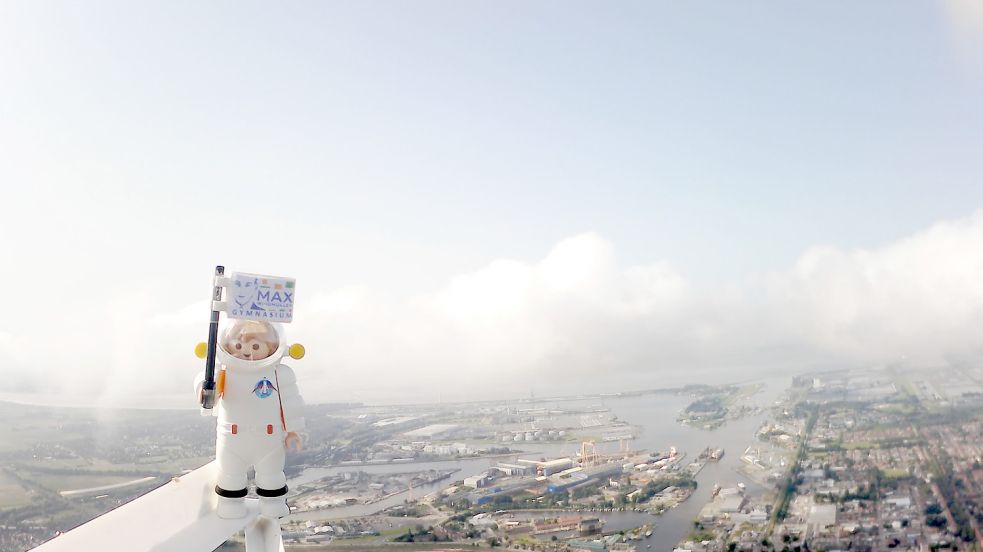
<point x="201" y="349"/>
<point x="296" y="351"/>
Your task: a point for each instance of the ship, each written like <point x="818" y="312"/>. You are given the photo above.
<point x="716" y="454"/>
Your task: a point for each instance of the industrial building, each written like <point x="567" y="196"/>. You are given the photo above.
<point x="549" y="467"/>
<point x="574" y="477"/>
<point x="477" y="481"/>
<point x="515" y="469"/>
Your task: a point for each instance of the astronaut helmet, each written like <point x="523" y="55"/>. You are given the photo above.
<point x="251" y="344"/>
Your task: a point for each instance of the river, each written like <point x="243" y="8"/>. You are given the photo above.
<point x="654" y="414"/>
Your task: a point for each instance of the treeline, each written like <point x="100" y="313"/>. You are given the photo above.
<point x="893" y="442"/>
<point x="706" y="404"/>
<point x="934" y="517"/>
<point x="509" y="502"/>
<point x="422" y="535"/>
<point x="653" y="488"/>
<point x="946" y="481"/>
<point x="811" y="412"/>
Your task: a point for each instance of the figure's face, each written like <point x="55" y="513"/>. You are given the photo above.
<point x="250" y="340"/>
<point x="248" y="347"/>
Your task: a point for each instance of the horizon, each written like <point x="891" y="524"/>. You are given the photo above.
<point x="69" y="402"/>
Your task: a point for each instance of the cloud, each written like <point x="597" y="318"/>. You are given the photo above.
<point x="503" y="328"/>
<point x="578" y="320"/>
<point x="963" y="20"/>
<point x="920" y="297"/>
<point x="963" y="15"/>
<point x="575" y="320"/>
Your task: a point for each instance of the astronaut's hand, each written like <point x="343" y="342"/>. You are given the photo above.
<point x="292" y="439"/>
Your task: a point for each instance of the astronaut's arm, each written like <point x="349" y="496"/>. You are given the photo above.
<point x="290" y="399"/>
<point x="199" y="383"/>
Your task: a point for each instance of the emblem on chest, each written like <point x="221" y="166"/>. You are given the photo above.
<point x="264" y="388"/>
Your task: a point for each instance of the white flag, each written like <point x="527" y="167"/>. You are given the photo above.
<point x="258" y="297"/>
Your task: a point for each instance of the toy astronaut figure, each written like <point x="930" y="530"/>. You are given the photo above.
<point x="259" y="411"/>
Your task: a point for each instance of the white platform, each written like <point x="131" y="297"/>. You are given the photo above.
<point x="179" y="517"/>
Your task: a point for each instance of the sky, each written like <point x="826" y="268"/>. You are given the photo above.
<point x="484" y="199"/>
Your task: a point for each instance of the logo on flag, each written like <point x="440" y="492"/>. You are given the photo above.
<point x="257" y="297"/>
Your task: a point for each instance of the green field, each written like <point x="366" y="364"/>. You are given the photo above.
<point x="895" y="473"/>
<point x="12" y="493"/>
<point x="21" y="430"/>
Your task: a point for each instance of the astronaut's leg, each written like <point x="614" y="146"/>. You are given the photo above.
<point x="271" y="483"/>
<point x="231" y="484"/>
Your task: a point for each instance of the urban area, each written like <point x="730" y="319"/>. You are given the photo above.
<point x="877" y="459"/>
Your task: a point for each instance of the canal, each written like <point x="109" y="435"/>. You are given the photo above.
<point x="654" y="415"/>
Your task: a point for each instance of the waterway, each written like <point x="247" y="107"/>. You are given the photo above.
<point x="654" y="415"/>
<point x="661" y="429"/>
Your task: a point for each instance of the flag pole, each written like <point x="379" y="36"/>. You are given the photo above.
<point x="208" y="388"/>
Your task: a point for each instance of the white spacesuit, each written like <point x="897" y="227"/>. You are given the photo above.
<point x="259" y="408"/>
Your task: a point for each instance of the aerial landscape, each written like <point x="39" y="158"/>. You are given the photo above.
<point x="868" y="459"/>
<point x="491" y="275"/>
